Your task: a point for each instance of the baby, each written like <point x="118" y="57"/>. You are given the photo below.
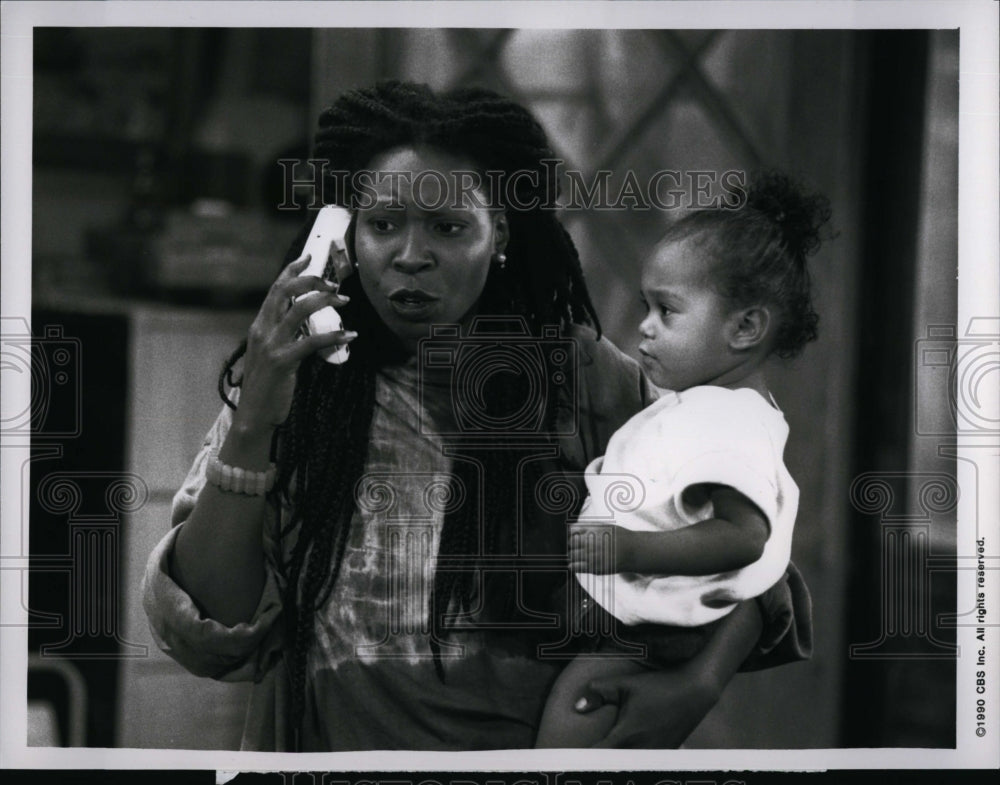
<point x="712" y="504"/>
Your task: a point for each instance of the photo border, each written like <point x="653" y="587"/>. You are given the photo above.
<point x="978" y="286"/>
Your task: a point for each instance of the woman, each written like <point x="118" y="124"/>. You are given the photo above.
<point x="410" y="589"/>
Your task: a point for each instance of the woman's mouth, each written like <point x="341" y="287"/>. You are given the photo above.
<point x="412" y="304"/>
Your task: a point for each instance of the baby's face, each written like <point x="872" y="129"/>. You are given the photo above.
<point x="685" y="335"/>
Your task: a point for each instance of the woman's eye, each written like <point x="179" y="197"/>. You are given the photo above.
<point x="665" y="310"/>
<point x="449" y="228"/>
<point x="380" y="224"/>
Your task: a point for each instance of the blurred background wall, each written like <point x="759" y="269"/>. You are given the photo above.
<point x="155" y="232"/>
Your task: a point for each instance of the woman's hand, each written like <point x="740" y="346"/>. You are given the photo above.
<point x="274" y="348"/>
<point x="657" y="709"/>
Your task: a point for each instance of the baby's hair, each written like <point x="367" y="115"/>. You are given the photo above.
<point x="321" y="449"/>
<point x="759" y="251"/>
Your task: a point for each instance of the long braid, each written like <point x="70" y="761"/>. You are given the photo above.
<point x="330" y="443"/>
<point x="227" y="378"/>
<point x="577" y="296"/>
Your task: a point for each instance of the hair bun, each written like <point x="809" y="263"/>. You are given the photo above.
<point x="799" y="216"/>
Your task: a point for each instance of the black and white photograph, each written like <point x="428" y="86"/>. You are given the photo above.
<point x="353" y="356"/>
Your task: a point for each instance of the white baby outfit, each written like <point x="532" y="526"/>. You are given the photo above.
<point x="701" y="435"/>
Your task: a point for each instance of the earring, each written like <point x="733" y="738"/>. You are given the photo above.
<point x="500" y="259"/>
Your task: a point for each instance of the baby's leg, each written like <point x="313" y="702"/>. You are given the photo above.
<point x="562" y="725"/>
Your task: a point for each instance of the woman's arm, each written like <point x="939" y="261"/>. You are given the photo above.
<point x="217" y="556"/>
<point x="218" y="559"/>
<point x="659" y="709"/>
<point x="734" y="538"/>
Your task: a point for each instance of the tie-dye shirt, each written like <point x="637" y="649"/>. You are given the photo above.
<point x="371" y="677"/>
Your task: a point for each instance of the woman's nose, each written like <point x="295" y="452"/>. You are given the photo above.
<point x="413" y="255"/>
<point x="645" y="327"/>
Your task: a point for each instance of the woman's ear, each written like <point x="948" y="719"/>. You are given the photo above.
<point x="501" y="233"/>
<point x="749" y="327"/>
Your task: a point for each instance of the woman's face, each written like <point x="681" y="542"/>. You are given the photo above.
<point x="423" y="246"/>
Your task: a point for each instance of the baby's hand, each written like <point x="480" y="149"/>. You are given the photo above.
<point x="597" y="549"/>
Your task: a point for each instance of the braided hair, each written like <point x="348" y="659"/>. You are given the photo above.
<point x="759" y="252"/>
<point x="321" y="449"/>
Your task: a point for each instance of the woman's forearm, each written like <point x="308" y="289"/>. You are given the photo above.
<point x="730" y="645"/>
<point x="218" y="557"/>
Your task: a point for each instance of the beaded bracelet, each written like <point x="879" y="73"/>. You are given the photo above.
<point x="237" y="480"/>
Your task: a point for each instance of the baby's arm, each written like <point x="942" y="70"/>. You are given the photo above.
<point x="734" y="538"/>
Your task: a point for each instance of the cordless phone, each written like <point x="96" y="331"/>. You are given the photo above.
<point x="327" y="235"/>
